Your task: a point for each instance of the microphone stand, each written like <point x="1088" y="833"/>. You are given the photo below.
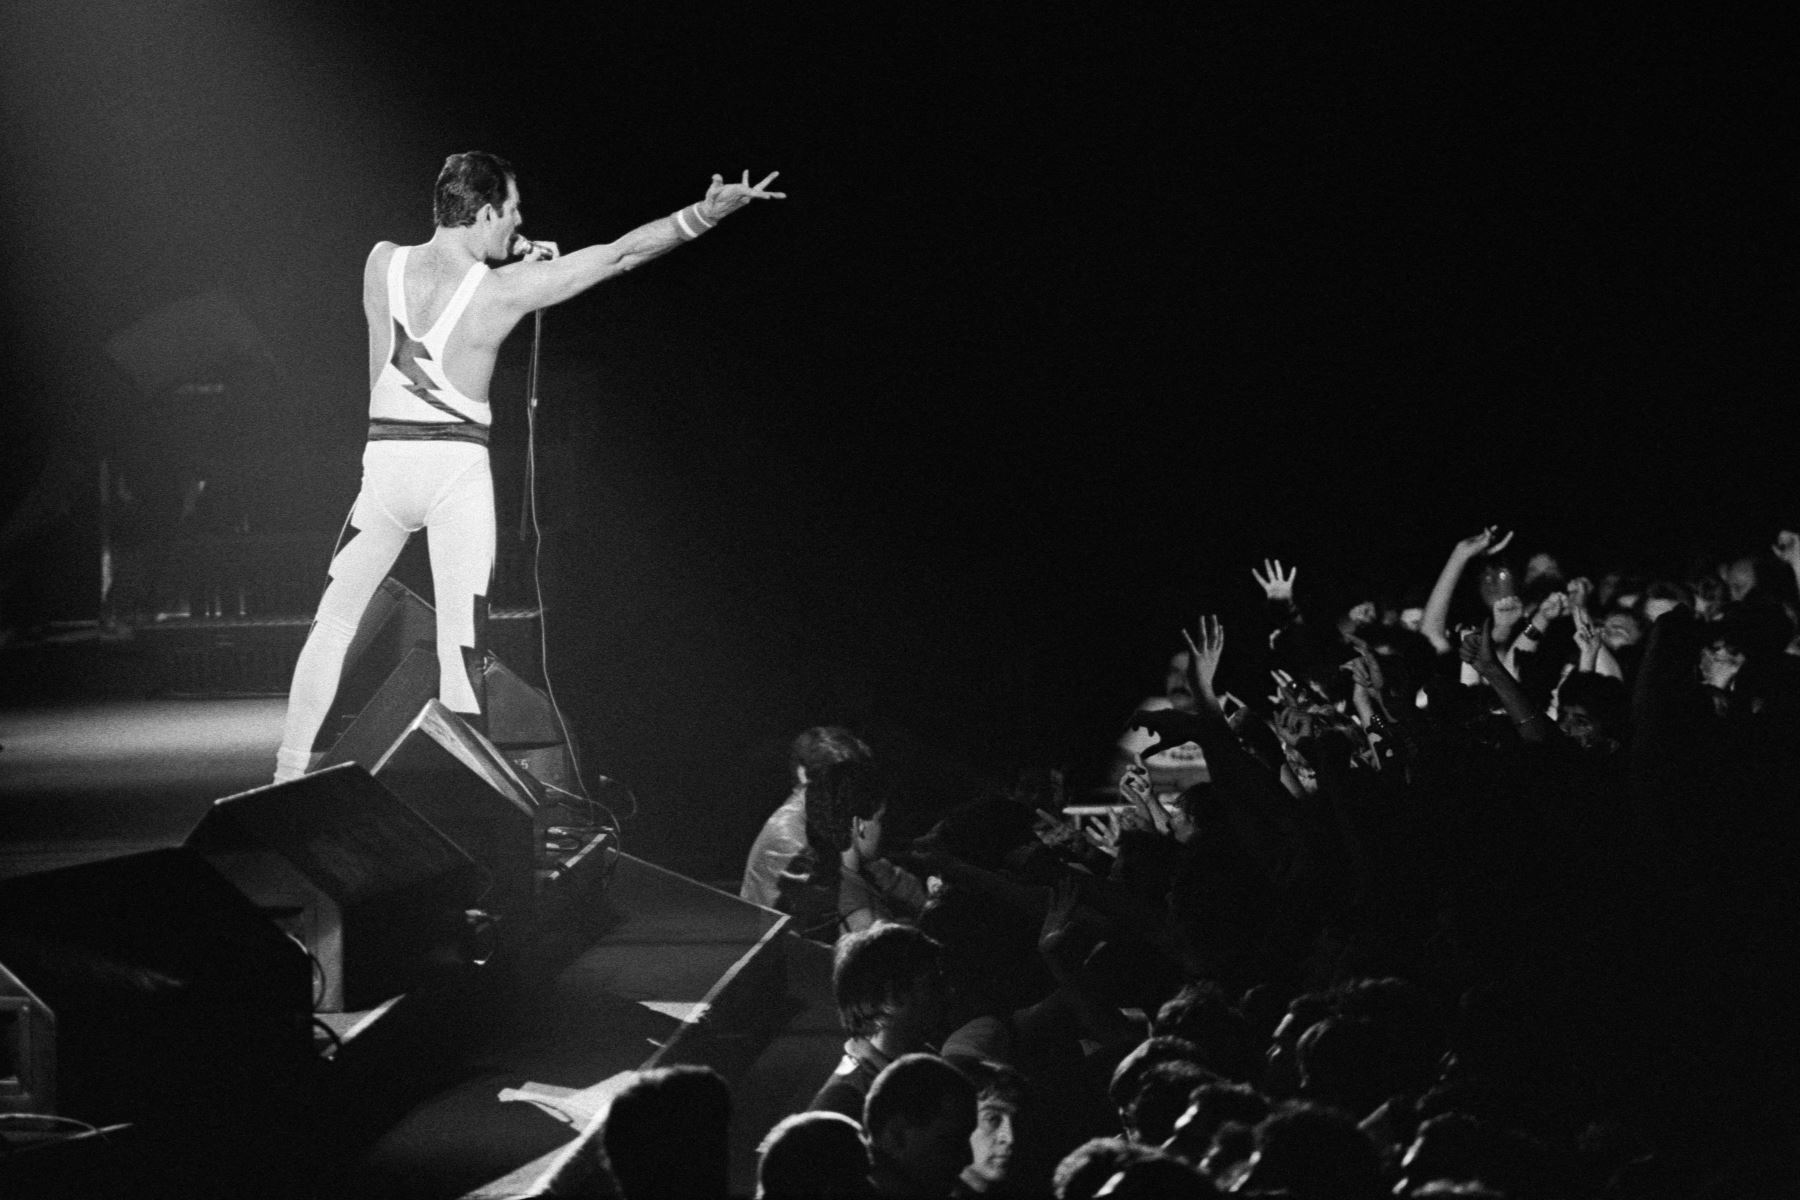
<point x="528" y="501"/>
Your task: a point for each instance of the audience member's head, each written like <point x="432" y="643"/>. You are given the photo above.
<point x="1665" y="595"/>
<point x="1146" y="1054"/>
<point x="1451" y="1146"/>
<point x="1211" y="1106"/>
<point x="987" y="831"/>
<point x="991" y="963"/>
<point x="1314" y="1153"/>
<point x="1281" y="1070"/>
<point x="1741" y="575"/>
<point x="1087" y="1168"/>
<point x="813" y="1156"/>
<point x="885" y="980"/>
<point x="1158" y="1177"/>
<point x="1591" y="710"/>
<point x="999" y="1105"/>
<point x="1263" y="1005"/>
<point x="1410" y="1028"/>
<point x="667" y="1132"/>
<point x="1452" y="1191"/>
<point x="1227" y="1161"/>
<point x="855" y="802"/>
<point x="1542" y="573"/>
<point x="1162" y="1096"/>
<point x="1621" y="628"/>
<point x="1343" y="1064"/>
<point x="823" y="746"/>
<point x="1201" y="1013"/>
<point x="918" y="1120"/>
<point x="1176" y="688"/>
<point x="1708" y="592"/>
<point x="1457" y="1148"/>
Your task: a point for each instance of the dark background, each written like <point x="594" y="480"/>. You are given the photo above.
<point x="1071" y="317"/>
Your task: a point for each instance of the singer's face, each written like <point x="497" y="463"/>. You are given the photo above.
<point x="506" y="223"/>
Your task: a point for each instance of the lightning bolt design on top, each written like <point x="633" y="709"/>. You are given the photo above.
<point x="424" y="374"/>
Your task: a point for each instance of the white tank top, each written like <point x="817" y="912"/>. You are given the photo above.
<point x="413" y="399"/>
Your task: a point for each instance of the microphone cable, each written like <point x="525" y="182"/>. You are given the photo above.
<point x="596" y="810"/>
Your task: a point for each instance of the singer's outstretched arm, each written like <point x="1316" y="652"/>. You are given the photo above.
<point x="533" y="283"/>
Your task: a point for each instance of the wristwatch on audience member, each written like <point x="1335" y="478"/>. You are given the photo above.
<point x="1530" y="631"/>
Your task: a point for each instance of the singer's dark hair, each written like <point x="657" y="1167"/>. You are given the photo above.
<point x="467" y="182"/>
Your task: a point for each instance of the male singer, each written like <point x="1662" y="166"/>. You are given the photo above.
<point x="437" y="314"/>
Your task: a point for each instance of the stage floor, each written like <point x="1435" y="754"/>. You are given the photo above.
<point x="674" y="970"/>
<point x="81" y="781"/>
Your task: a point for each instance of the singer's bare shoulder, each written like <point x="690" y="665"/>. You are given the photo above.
<point x="376" y="265"/>
<point x="379" y="254"/>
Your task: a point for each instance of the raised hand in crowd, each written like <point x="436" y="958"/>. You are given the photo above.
<point x="1477" y="650"/>
<point x="1067" y="935"/>
<point x="1334" y="834"/>
<point x="1587" y="640"/>
<point x="1058" y="833"/>
<point x="1103" y="832"/>
<point x="1531" y="634"/>
<point x="1475" y="646"/>
<point x="1146" y="811"/>
<point x="1366" y="684"/>
<point x="1579" y="591"/>
<point x="1277" y="585"/>
<point x="1434" y="625"/>
<point x="1488" y="541"/>
<point x="1507" y="610"/>
<point x="1203" y="660"/>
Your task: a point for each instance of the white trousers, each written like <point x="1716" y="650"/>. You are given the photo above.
<point x="445" y="489"/>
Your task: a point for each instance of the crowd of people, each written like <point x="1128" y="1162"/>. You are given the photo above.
<point x="1485" y="897"/>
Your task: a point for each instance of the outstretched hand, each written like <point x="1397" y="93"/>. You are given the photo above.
<point x="723" y="199"/>
<point x="1134" y="789"/>
<point x="1484" y="542"/>
<point x="1587" y="638"/>
<point x="1058" y="833"/>
<point x="1104" y="833"/>
<point x="1204" y="655"/>
<point x="1275" y="584"/>
<point x="1477" y="648"/>
<point x="1365" y="669"/>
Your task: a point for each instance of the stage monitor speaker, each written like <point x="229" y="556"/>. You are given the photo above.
<point x="376" y="893"/>
<point x="520" y="717"/>
<point x="381" y="721"/>
<point x="520" y="720"/>
<point x="170" y="997"/>
<point x="27" y="1048"/>
<point x="461" y="783"/>
<point x="396" y="621"/>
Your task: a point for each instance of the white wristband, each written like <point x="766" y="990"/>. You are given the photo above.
<point x="699" y="223"/>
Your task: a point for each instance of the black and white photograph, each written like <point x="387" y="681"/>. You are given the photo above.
<point x="854" y="600"/>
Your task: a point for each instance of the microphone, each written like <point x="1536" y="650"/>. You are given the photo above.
<point x="521" y="246"/>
